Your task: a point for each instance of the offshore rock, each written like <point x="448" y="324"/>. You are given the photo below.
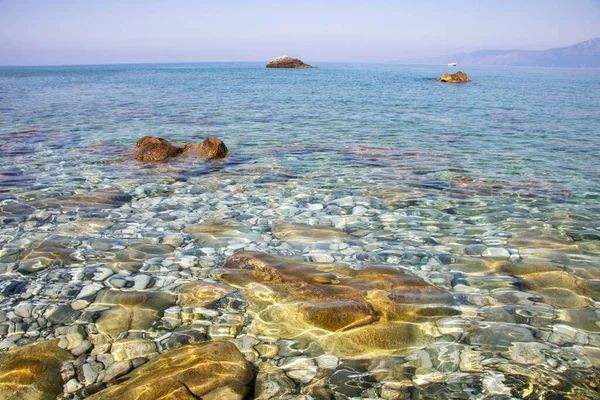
<point x="209" y="148"/>
<point x="349" y="313"/>
<point x="33" y="371"/>
<point x="458" y="77"/>
<point x="215" y="370"/>
<point x="130" y="310"/>
<point x="287" y="62"/>
<point x="155" y="149"/>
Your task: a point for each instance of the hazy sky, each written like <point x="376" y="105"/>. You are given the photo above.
<point x="123" y="31"/>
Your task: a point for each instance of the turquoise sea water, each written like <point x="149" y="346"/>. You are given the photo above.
<point x="488" y="190"/>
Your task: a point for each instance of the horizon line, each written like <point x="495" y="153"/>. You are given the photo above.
<point x="398" y="63"/>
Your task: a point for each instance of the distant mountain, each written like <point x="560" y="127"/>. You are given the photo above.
<point x="584" y="54"/>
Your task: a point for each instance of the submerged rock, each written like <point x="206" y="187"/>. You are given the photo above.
<point x="215" y="370"/>
<point x="458" y="77"/>
<point x="287" y="62"/>
<point x="558" y="288"/>
<point x="54" y="251"/>
<point x="221" y="233"/>
<point x="350" y="313"/>
<point x="102" y="198"/>
<point x="130" y="310"/>
<point x="291" y="231"/>
<point x="155" y="149"/>
<point x="202" y="294"/>
<point x="209" y="148"/>
<point x="32" y="371"/>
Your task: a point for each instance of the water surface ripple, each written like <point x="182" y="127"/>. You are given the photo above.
<point x="394" y="237"/>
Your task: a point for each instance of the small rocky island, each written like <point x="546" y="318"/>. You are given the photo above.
<point x="458" y="77"/>
<point x="287" y="62"/>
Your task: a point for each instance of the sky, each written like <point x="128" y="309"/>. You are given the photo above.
<point x="60" y="32"/>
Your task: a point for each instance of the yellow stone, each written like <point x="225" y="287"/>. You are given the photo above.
<point x="215" y="370"/>
<point x="286" y="231"/>
<point x="32" y="372"/>
<point x="129" y="349"/>
<point x="350" y="313"/>
<point x="201" y="294"/>
<point x="130" y="310"/>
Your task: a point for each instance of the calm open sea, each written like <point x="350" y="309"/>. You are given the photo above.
<point x="487" y="192"/>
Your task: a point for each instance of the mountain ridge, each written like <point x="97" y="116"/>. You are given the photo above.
<point x="580" y="55"/>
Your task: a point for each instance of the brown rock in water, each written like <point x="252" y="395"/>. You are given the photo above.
<point x="291" y="231"/>
<point x="101" y="198"/>
<point x="32" y="372"/>
<point x="458" y="77"/>
<point x="155" y="149"/>
<point x="209" y="148"/>
<point x="287" y="62"/>
<point x="50" y="252"/>
<point x="351" y="313"/>
<point x="211" y="371"/>
<point x="201" y="294"/>
<point x="130" y="310"/>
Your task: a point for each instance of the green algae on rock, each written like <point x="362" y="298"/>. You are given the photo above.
<point x="211" y="371"/>
<point x="350" y="313"/>
<point x="32" y="372"/>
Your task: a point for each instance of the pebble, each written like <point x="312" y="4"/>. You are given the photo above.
<point x="88" y="290"/>
<point x="267" y="350"/>
<point x="129" y="349"/>
<point x="407" y="227"/>
<point x="83" y="348"/>
<point x="72" y="386"/>
<point x="23" y="310"/>
<point x="67" y="372"/>
<point x="327" y="361"/>
<point x="80" y="304"/>
<point x="141" y="281"/>
<point x="89" y="374"/>
<point x="496" y="252"/>
<point x="173" y="239"/>
<point x="75" y="336"/>
<point x="117" y="369"/>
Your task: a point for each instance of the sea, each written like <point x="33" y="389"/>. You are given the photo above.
<point x="422" y="240"/>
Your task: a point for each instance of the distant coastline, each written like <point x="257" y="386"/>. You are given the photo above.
<point x="581" y="55"/>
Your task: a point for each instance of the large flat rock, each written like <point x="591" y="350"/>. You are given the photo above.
<point x="130" y="310"/>
<point x="350" y="313"/>
<point x="210" y="371"/>
<point x="32" y="372"/>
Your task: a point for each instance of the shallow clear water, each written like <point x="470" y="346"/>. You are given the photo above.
<point x="488" y="191"/>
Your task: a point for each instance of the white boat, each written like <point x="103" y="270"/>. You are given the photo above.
<point x="452" y="64"/>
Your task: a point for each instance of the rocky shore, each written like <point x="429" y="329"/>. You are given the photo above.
<point x="200" y="303"/>
<point x="252" y="286"/>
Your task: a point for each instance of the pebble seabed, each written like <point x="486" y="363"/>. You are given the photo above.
<point x="114" y="265"/>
